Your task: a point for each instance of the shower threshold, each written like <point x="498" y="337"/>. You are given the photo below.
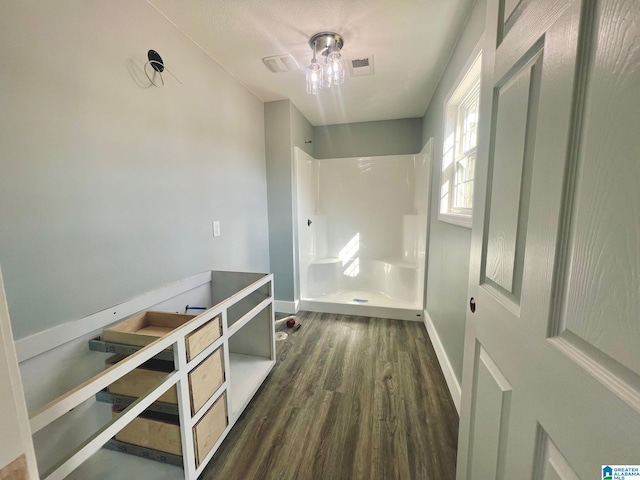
<point x="363" y="303"/>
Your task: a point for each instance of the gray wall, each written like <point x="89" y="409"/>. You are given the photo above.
<point x="388" y="137"/>
<point x="277" y="121"/>
<point x="302" y="132"/>
<point x="449" y="245"/>
<point x="285" y="128"/>
<point x="108" y="186"/>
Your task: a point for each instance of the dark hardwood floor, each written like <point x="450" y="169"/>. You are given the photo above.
<point x="349" y="398"/>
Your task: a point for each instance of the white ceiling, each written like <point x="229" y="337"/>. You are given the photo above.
<point x="411" y="41"/>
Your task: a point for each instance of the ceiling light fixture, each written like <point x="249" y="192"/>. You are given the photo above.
<point x="328" y="44"/>
<point x="314" y="75"/>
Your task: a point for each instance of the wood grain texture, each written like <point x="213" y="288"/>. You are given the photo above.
<point x="509" y="7"/>
<point x="139" y="381"/>
<point x="205" y="379"/>
<point x="550" y="463"/>
<point x="534" y="18"/>
<point x="16" y="470"/>
<point x="587" y="417"/>
<point x="144" y="328"/>
<point x="154" y="430"/>
<point x="508" y="160"/>
<point x="491" y="398"/>
<point x="603" y="295"/>
<point x="209" y="428"/>
<point x="203" y="337"/>
<point x="350" y="398"/>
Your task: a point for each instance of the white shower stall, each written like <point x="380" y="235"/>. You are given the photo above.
<point x="362" y="234"/>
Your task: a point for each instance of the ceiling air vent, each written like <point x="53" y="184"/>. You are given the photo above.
<point x="281" y="63"/>
<point x="361" y="66"/>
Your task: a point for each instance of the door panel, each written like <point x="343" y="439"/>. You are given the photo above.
<point x="552" y="464"/>
<point x="509" y="7"/>
<point x="492" y="398"/>
<point x="514" y="105"/>
<point x="602" y="299"/>
<point x="567" y="344"/>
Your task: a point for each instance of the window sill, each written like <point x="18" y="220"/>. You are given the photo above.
<point x="456" y="219"/>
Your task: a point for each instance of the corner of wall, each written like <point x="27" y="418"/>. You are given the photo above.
<point x="278" y="151"/>
<point x="301" y="131"/>
<point x="447" y="276"/>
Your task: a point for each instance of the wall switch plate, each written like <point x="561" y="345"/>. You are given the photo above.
<point x="216" y="228"/>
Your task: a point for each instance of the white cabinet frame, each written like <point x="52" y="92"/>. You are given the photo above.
<point x="255" y="369"/>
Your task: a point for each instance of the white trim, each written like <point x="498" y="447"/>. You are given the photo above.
<point x="102" y="436"/>
<point x="177" y="337"/>
<point x="282" y="306"/>
<point x="12" y="400"/>
<point x="456" y="219"/>
<point x="61" y="405"/>
<point x="191" y="422"/>
<point x="238" y="324"/>
<point x="53" y="337"/>
<point x="183" y="390"/>
<point x="445" y="364"/>
<point x="470" y="73"/>
<point x="464" y="76"/>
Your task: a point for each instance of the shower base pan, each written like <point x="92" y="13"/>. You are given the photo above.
<point x="362" y="303"/>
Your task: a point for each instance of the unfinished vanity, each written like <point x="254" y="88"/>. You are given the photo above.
<point x="183" y="364"/>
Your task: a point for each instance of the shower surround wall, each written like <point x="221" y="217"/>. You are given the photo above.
<point x="362" y="226"/>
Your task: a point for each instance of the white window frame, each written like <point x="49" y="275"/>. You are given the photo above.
<point x="468" y="83"/>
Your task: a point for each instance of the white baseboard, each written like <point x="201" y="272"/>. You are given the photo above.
<point x="445" y="364"/>
<point x="286" y="307"/>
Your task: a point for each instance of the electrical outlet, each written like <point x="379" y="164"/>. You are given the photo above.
<point x="216" y="228"/>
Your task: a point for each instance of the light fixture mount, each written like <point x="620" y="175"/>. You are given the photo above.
<point x="326" y="42"/>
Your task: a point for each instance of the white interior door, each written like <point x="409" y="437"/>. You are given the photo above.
<point x="551" y="379"/>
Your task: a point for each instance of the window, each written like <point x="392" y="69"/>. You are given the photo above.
<point x="459" y="148"/>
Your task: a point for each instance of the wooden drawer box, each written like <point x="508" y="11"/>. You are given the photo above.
<point x="139" y="381"/>
<point x="162" y="431"/>
<point x="205" y="379"/>
<point x="200" y="339"/>
<point x="144" y="328"/>
<point x="159" y="431"/>
<point x="208" y="430"/>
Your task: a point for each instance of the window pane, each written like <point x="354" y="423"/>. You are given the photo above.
<point x="459" y="146"/>
<point x="444" y="197"/>
<point x="463" y="182"/>
<point x="448" y="142"/>
<point x="469" y="124"/>
<point x="447" y="159"/>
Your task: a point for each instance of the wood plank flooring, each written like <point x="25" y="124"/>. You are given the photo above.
<point x="350" y="398"/>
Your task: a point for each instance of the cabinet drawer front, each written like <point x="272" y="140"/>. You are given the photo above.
<point x="208" y="430"/>
<point x="203" y="337"/>
<point x="205" y="379"/>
